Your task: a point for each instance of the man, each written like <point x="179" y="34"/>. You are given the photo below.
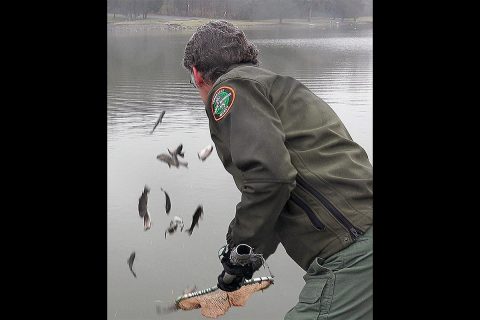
<point x="304" y="182"/>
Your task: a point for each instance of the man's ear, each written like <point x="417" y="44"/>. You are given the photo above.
<point x="197" y="76"/>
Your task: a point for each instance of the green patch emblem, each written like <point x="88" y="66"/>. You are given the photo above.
<point x="222" y="101"/>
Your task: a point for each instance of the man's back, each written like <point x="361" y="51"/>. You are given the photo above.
<point x="332" y="173"/>
<point x="313" y="132"/>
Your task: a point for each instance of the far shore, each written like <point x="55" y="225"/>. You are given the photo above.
<point x="172" y="23"/>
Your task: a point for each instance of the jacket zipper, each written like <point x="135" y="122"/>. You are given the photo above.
<point x="311" y="215"/>
<point x="354" y="232"/>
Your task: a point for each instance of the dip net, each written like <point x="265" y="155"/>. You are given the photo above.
<point x="214" y="302"/>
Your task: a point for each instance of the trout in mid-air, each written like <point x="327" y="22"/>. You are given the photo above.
<point x="205" y="152"/>
<point x="168" y="204"/>
<point x="130" y="263"/>
<point x="167" y="159"/>
<point x="174" y="154"/>
<point x="178" y="151"/>
<point x="147" y="222"/>
<point x="158" y="121"/>
<point x="143" y="210"/>
<point x="196" y="216"/>
<point x="142" y="202"/>
<point x="171" y="161"/>
<point x="174" y="224"/>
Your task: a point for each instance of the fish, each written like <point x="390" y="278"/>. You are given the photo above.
<point x="205" y="152"/>
<point x="142" y="202"/>
<point x="178" y="221"/>
<point x="174" y="154"/>
<point x="130" y="263"/>
<point x="147" y="222"/>
<point x="171" y="161"/>
<point x="171" y="229"/>
<point x="158" y="121"/>
<point x="167" y="159"/>
<point x="196" y="216"/>
<point x="178" y="151"/>
<point x="168" y="204"/>
<point x="174" y="224"/>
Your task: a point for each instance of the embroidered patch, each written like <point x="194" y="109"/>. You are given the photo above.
<point x="222" y="101"/>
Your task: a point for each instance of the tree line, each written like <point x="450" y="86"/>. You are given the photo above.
<point x="242" y="9"/>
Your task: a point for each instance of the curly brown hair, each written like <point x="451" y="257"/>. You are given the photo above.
<point x="215" y="46"/>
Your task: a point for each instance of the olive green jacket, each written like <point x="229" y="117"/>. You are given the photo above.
<point x="304" y="182"/>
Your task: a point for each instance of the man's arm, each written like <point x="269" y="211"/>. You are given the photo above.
<point x="254" y="133"/>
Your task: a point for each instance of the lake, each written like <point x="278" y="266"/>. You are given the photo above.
<point x="145" y="76"/>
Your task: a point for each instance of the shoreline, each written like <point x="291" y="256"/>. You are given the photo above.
<point x="169" y="23"/>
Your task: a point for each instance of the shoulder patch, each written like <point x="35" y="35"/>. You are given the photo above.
<point x="222" y="101"/>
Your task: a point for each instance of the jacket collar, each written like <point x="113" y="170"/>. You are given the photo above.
<point x="220" y="79"/>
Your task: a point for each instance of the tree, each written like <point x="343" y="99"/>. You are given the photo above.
<point x="250" y="11"/>
<point x="280" y="11"/>
<point x="113" y="6"/>
<point x="227" y="14"/>
<point x="347" y="8"/>
<point x="243" y="9"/>
<point x="309" y="4"/>
<point x="149" y="6"/>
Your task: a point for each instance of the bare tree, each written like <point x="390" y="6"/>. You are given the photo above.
<point x="150" y="6"/>
<point x="251" y="9"/>
<point x="280" y="11"/>
<point x="226" y="13"/>
<point x="347" y="8"/>
<point x="113" y="6"/>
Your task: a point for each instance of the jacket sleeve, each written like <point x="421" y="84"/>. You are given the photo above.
<point x="255" y="140"/>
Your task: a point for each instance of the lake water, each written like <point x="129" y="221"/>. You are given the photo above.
<point x="145" y="76"/>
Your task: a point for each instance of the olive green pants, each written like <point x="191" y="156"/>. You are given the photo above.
<point x="340" y="287"/>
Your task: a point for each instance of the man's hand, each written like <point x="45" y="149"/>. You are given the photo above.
<point x="231" y="286"/>
<point x="239" y="274"/>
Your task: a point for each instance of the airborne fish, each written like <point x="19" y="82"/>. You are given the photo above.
<point x="174" y="224"/>
<point x="143" y="210"/>
<point x="178" y="221"/>
<point x="174" y="154"/>
<point x="168" y="204"/>
<point x="178" y="151"/>
<point x="196" y="216"/>
<point x="130" y="262"/>
<point x="142" y="202"/>
<point x="171" y="161"/>
<point x="167" y="159"/>
<point x="205" y="152"/>
<point x="158" y="121"/>
<point x="147" y="222"/>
